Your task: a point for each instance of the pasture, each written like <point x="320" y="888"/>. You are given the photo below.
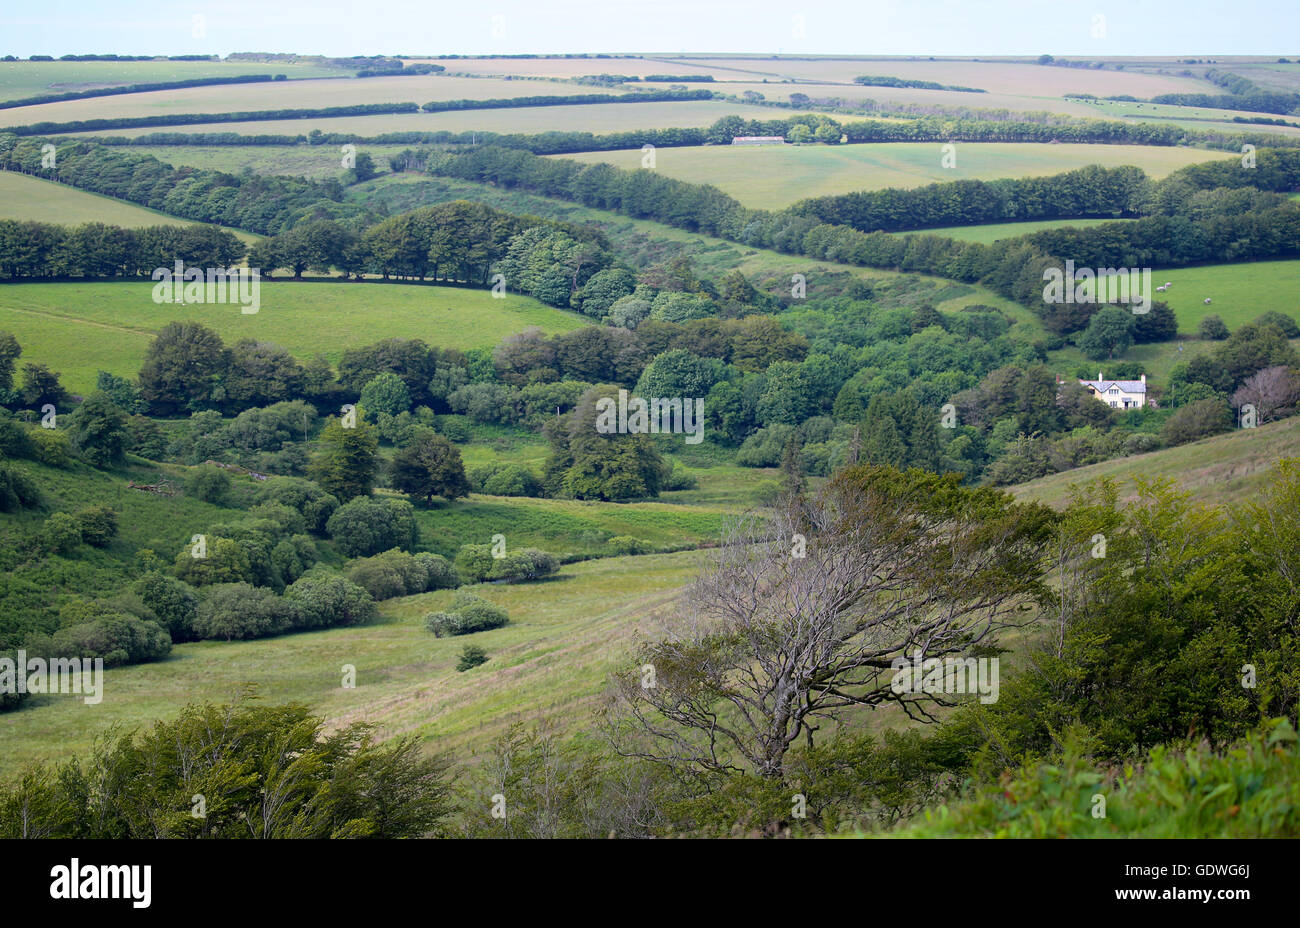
<point x="79" y="328"/>
<point x="20" y="79"/>
<point x="598" y="118"/>
<point x="773" y="177"/>
<point x="993" y="231"/>
<point x="24" y="197"/>
<point x="340" y="90"/>
<point x="1239" y="292"/>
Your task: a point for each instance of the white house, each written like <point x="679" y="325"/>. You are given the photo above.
<point x="1122" y="394"/>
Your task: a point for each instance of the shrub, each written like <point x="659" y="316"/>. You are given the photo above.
<point x="367" y="525"/>
<point x="1197" y="420"/>
<point x="98" y="525"/>
<point x="325" y="599"/>
<point x="17" y="491"/>
<point x="476" y="563"/>
<point x="468" y="614"/>
<point x="173" y="601"/>
<point x="60" y="534"/>
<point x="470" y="657"/>
<point x="1212" y="328"/>
<point x="209" y="484"/>
<point x="312" y="502"/>
<point x="626" y="544"/>
<point x="115" y="637"/>
<point x="51" y="447"/>
<point x="441" y="575"/>
<point x="224" y="561"/>
<point x="240" y="610"/>
<point x="501" y="479"/>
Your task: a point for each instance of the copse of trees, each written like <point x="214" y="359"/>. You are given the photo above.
<point x="94" y="249"/>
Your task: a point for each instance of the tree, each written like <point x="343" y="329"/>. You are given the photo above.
<point x="345" y="463"/>
<point x="430" y="466"/>
<point x="98" y="525"/>
<point x="1110" y="332"/>
<point x="1212" y="328"/>
<point x="41" y="385"/>
<point x="471" y="656"/>
<point x="1159" y="324"/>
<point x="586" y="464"/>
<point x="386" y="393"/>
<point x="366" y="526"/>
<point x="1197" y="420"/>
<point x="240" y="610"/>
<point x="219" y="560"/>
<point x="99" y="431"/>
<point x="183" y="368"/>
<point x="10" y="352"/>
<point x="896" y="566"/>
<point x="209" y="484"/>
<point x="1273" y="392"/>
<point x="325" y="599"/>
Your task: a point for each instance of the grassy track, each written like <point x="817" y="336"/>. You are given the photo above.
<point x="31" y="78"/>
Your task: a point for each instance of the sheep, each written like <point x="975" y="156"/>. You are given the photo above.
<point x="1160" y="289"/>
<point x="1207" y="301"/>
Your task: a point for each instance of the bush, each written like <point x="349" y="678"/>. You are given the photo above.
<point x="476" y="563"/>
<point x="51" y="447"/>
<point x="468" y="614"/>
<point x="1212" y="328"/>
<point x="442" y="576"/>
<point x="60" y="534"/>
<point x="312" y="502"/>
<point x="470" y="657"/>
<point x="368" y="525"/>
<point x="1197" y="420"/>
<point x="98" y="525"/>
<point x="209" y="484"/>
<point x="626" y="544"/>
<point x="505" y="480"/>
<point x="173" y="601"/>
<point x="17" y="491"/>
<point x="239" y="610"/>
<point x="224" y="561"/>
<point x="324" y="599"/>
<point x="115" y="637"/>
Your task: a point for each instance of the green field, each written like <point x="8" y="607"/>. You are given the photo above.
<point x="1238" y="292"/>
<point x="565" y="636"/>
<point x="318" y="162"/>
<point x="996" y="230"/>
<point x="33" y="78"/>
<point x="594" y="117"/>
<point x="23" y="197"/>
<point x="81" y="328"/>
<point x="338" y="90"/>
<point x="777" y="176"/>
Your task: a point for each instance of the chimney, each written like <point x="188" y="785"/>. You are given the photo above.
<point x="1099" y="376"/>
<point x="1144" y="378"/>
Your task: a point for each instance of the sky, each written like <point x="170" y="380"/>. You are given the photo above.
<point x="820" y="27"/>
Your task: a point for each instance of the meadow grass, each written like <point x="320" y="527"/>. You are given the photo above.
<point x="79" y="328"/>
<point x="20" y="79"/>
<point x="595" y="117"/>
<point x="1225" y="469"/>
<point x="993" y="231"/>
<point x="24" y="197"/>
<point x="773" y="177"/>
<point x="1238" y="292"/>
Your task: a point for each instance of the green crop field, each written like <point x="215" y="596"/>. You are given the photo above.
<point x="338" y="90"/>
<point x="773" y="177"/>
<point x="81" y="328"/>
<point x="32" y="78"/>
<point x="23" y="197"/>
<point x="318" y="162"/>
<point x="595" y="117"/>
<point x="993" y="231"/>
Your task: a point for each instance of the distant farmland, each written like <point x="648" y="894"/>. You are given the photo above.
<point x="776" y="176"/>
<point x="81" y="328"/>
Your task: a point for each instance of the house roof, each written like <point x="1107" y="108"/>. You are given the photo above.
<point x="1128" y="386"/>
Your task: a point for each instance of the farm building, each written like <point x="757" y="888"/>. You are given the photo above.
<point x="1122" y="394"/>
<point x="758" y="140"/>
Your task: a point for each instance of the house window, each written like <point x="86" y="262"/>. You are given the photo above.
<point x="1113" y="390"/>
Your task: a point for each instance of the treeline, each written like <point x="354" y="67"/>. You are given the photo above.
<point x="400" y="69"/>
<point x="40" y="249"/>
<point x="868" y="80"/>
<point x="139" y="88"/>
<point x="1088" y="191"/>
